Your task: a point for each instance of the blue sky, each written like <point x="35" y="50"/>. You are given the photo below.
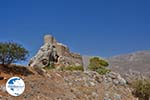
<point x="90" y="27"/>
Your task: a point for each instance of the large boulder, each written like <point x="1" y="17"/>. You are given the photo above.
<point x="61" y="54"/>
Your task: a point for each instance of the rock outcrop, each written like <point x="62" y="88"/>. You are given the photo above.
<point x="62" y="55"/>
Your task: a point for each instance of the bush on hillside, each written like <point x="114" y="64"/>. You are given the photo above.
<point x="141" y="89"/>
<point x="103" y="70"/>
<point x="72" y="68"/>
<point x="98" y="65"/>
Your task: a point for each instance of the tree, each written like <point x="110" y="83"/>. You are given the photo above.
<point x="98" y="65"/>
<point x="11" y="52"/>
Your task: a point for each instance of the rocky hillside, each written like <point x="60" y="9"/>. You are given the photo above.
<point x="57" y="84"/>
<point x="136" y="62"/>
<point x="67" y="85"/>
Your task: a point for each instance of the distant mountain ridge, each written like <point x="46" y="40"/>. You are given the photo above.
<point x="138" y="61"/>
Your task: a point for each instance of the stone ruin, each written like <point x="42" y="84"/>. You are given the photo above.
<point x="55" y="52"/>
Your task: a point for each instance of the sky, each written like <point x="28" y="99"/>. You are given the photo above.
<point x="90" y="27"/>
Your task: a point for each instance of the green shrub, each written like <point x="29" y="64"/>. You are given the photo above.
<point x="103" y="62"/>
<point x="141" y="89"/>
<point x="103" y="70"/>
<point x="98" y="65"/>
<point x="94" y="63"/>
<point x="73" y="68"/>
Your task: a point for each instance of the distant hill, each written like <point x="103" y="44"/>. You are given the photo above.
<point x="138" y="61"/>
